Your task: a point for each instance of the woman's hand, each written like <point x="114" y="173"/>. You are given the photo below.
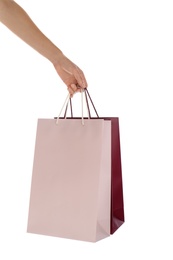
<point x="70" y="74"/>
<point x="17" y="20"/>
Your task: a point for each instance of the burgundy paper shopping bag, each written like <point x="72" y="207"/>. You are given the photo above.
<point x="117" y="204"/>
<point x="71" y="180"/>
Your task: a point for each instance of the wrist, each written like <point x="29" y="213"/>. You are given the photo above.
<point x="56" y="57"/>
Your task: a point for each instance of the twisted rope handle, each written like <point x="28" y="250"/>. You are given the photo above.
<point x="86" y="91"/>
<point x="87" y="103"/>
<point x="68" y="99"/>
<point x="66" y="102"/>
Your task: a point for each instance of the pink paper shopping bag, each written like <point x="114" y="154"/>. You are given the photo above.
<point x="71" y="179"/>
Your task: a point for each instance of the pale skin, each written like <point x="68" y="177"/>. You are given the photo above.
<point x="17" y="20"/>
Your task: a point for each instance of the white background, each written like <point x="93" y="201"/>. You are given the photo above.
<point x="125" y="50"/>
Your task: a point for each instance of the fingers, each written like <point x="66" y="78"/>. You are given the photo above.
<point x="71" y="74"/>
<point x="73" y="88"/>
<point x="80" y="77"/>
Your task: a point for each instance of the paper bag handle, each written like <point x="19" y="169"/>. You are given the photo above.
<point x="87" y="103"/>
<point x="66" y="102"/>
<point x="86" y="91"/>
<point x="68" y="99"/>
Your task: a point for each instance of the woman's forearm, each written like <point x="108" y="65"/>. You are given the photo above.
<point x="18" y="21"/>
